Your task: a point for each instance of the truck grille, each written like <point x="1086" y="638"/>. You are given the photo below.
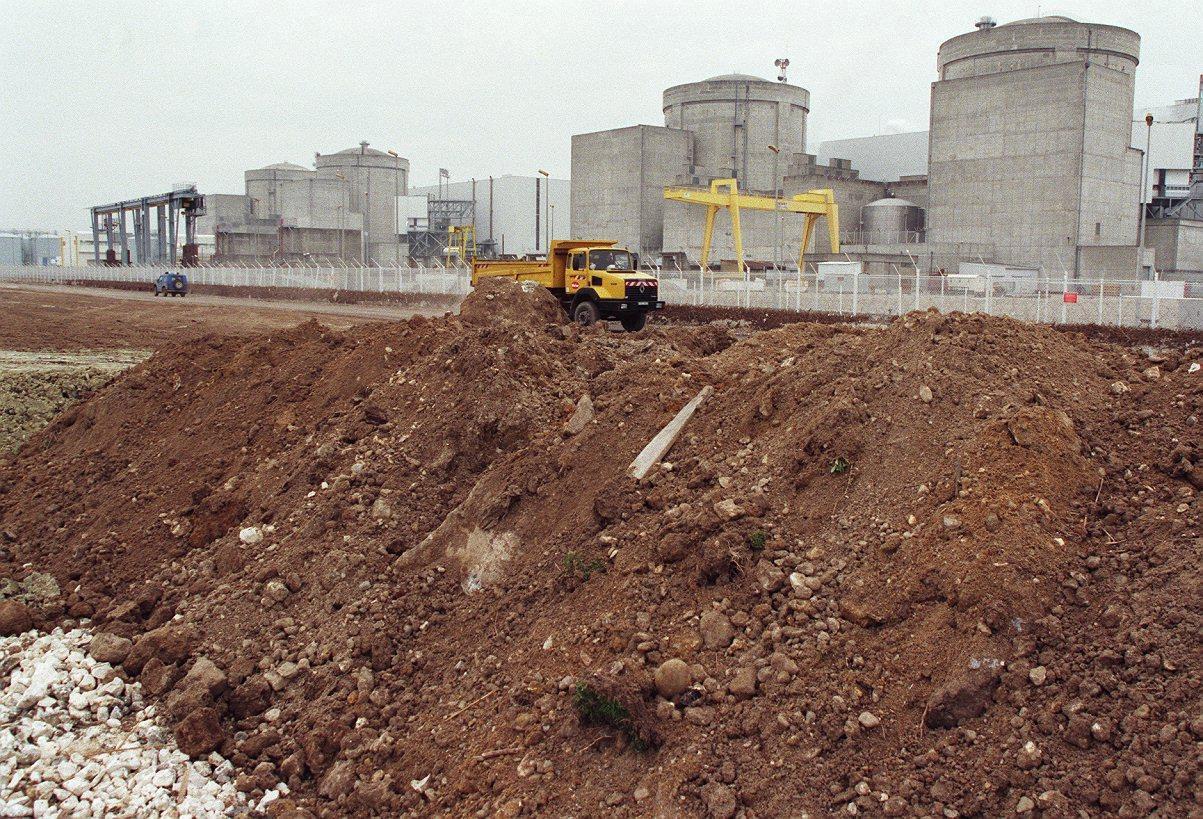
<point x="641" y="288"/>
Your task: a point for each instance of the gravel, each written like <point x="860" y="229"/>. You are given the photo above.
<point x="77" y="740"/>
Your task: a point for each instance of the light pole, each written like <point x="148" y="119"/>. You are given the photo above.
<point x="396" y="210"/>
<point x="551" y="222"/>
<point x="776" y="208"/>
<point x="1144" y="184"/>
<point x="547" y="177"/>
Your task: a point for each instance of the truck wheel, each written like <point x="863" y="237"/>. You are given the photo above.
<point x="586" y="313"/>
<point x="634" y="322"/>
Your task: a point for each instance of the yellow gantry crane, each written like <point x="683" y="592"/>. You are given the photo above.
<point x="461" y="242"/>
<point x="724" y="194"/>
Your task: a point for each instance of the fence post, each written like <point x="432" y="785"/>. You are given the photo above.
<point x="1102" y="280"/>
<point x="1064" y="290"/>
<point x="899" y="272"/>
<point x="1121" y="308"/>
<point x="1156" y="315"/>
<point x="943" y="283"/>
<point x="989" y="288"/>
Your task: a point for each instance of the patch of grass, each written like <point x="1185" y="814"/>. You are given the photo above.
<point x="757" y="540"/>
<point x="840" y="465"/>
<point x="578" y="566"/>
<point x="594" y="708"/>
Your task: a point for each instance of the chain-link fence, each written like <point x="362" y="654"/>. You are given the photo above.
<point x="1123" y="302"/>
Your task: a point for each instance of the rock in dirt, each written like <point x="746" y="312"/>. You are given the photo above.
<point x="110" y="648"/>
<point x="170" y="643"/>
<point x="206" y="676"/>
<point x="200" y="732"/>
<point x="963" y="697"/>
<point x="717" y="631"/>
<point x="14" y="618"/>
<point x="581" y="416"/>
<point x="743" y="685"/>
<point x="720" y="801"/>
<point x="672" y="678"/>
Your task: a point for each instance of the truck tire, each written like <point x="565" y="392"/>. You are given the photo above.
<point x="634" y="322"/>
<point x="585" y="313"/>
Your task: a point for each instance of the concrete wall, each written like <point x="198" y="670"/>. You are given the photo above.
<point x="618" y="180"/>
<point x="734" y="118"/>
<point x="1179" y="247"/>
<point x="913" y="188"/>
<point x="1030" y="124"/>
<point x="513" y="209"/>
<point x="221" y="210"/>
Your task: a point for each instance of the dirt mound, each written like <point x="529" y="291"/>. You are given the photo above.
<point x="950" y="565"/>
<point x="34" y="387"/>
<point x="502" y="299"/>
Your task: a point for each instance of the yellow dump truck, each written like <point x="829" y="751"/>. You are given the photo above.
<point x="593" y="280"/>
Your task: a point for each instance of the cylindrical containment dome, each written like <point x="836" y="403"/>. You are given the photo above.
<point x="1034" y="42"/>
<point x="267" y="187"/>
<point x="891" y="221"/>
<point x="375" y="179"/>
<point x="734" y="119"/>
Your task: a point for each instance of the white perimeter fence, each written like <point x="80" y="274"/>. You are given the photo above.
<point x="1119" y="302"/>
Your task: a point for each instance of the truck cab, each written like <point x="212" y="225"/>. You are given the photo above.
<point x="604" y="282"/>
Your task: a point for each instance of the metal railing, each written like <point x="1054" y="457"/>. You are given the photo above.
<point x="1048" y="299"/>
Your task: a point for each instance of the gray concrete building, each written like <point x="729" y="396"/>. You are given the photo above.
<point x="1030" y="145"/>
<point x="618" y="179"/>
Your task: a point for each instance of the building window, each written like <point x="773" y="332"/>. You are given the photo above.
<point x="1098" y="228"/>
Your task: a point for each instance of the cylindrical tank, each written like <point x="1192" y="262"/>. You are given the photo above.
<point x="267" y="187"/>
<point x="375" y="179"/>
<point x="891" y="221"/>
<point x="1038" y="41"/>
<point x="734" y="119"/>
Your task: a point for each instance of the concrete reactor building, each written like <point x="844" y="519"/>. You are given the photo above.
<point x="1030" y="145"/>
<point x="345" y="210"/>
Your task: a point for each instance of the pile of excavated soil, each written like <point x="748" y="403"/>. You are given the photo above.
<point x="947" y="567"/>
<point x="34" y="387"/>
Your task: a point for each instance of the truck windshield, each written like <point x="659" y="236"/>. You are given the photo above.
<point x="609" y="260"/>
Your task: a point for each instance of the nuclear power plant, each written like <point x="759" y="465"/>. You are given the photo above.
<point x="1033" y="160"/>
<point x="1029" y="163"/>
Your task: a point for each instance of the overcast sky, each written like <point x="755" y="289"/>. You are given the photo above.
<point x="106" y="101"/>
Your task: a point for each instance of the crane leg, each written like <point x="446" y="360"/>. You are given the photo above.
<point x="808" y="227"/>
<point x="707" y="236"/>
<point x="737" y="236"/>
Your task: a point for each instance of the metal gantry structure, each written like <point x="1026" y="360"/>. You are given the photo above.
<point x="724" y="195"/>
<point x="157" y="243"/>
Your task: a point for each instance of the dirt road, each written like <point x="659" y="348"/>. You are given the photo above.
<point x="64" y="318"/>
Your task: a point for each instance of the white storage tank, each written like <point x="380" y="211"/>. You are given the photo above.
<point x="734" y="119"/>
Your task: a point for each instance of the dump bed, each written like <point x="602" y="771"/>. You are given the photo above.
<point x="549" y="273"/>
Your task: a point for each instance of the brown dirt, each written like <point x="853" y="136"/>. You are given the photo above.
<point x="64" y="319"/>
<point x="967" y="603"/>
<point x="34" y="387"/>
<point x="431" y="301"/>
